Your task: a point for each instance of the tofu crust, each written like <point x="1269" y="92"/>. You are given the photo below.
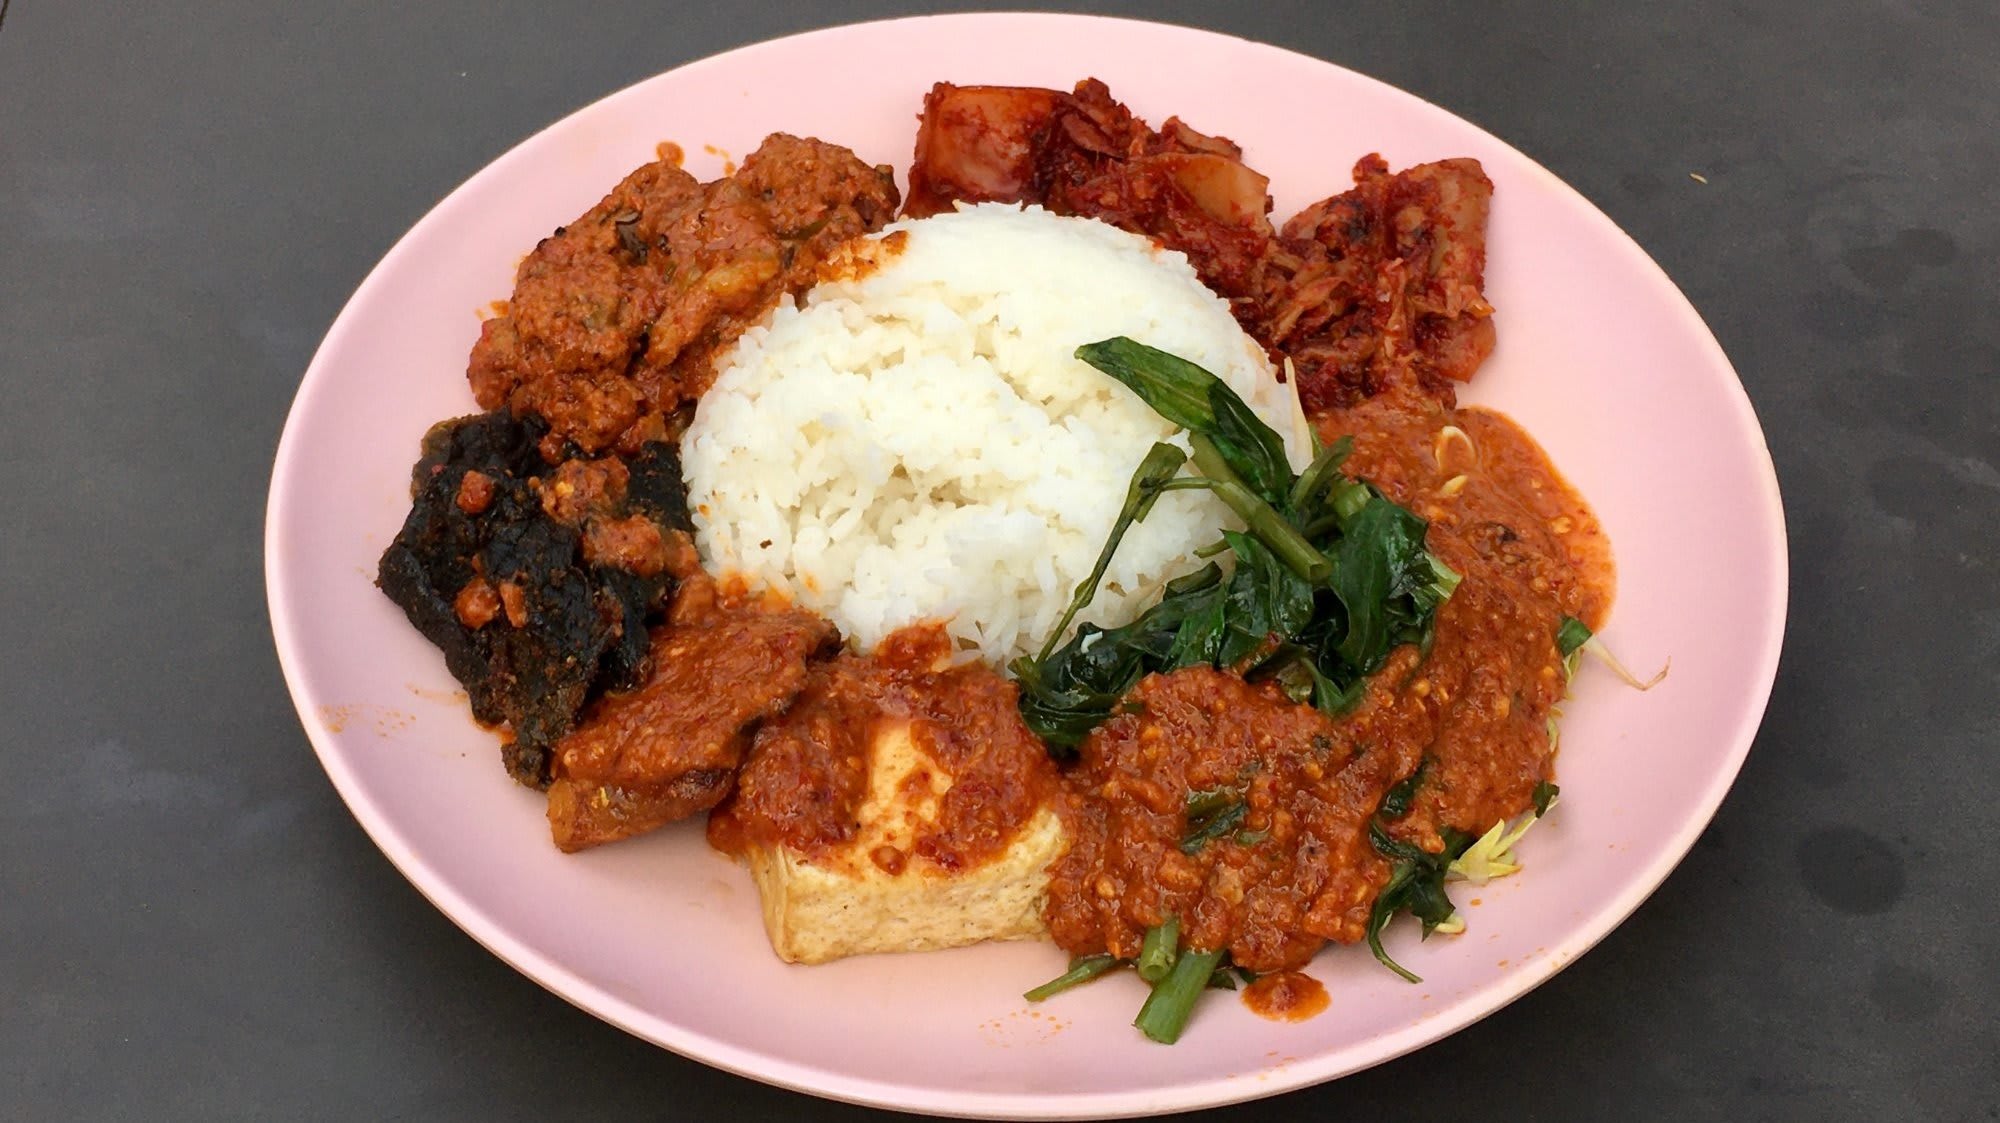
<point x="873" y="895"/>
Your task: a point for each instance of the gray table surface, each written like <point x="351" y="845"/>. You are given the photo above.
<point x="192" y="926"/>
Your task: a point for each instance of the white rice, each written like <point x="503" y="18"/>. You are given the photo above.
<point x="921" y="443"/>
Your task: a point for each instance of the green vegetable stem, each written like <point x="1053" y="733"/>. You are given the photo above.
<point x="1160" y="948"/>
<point x="1171" y="1004"/>
<point x="1328" y="576"/>
<point x="1081" y="970"/>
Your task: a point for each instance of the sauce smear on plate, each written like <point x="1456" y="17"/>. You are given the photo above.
<point x="1287" y="996"/>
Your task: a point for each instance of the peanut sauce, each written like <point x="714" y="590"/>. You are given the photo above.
<point x="1300" y="870"/>
<point x="1286" y="996"/>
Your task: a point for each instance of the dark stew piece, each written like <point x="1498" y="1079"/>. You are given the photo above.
<point x="536" y="581"/>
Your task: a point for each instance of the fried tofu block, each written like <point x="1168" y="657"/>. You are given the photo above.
<point x="899" y="805"/>
<point x="846" y="903"/>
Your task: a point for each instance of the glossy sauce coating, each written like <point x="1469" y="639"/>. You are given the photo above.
<point x="1301" y="847"/>
<point x="1375" y="289"/>
<point x="671" y="747"/>
<point x="1530" y="552"/>
<point x="808" y="770"/>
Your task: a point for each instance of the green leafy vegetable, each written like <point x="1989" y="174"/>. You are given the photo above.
<point x="1177" y="390"/>
<point x="1389" y="584"/>
<point x="1211" y="813"/>
<point x="1571" y="635"/>
<point x="1416" y="885"/>
<point x="1213" y="827"/>
<point x="1177" y="978"/>
<point x="1204" y="803"/>
<point x="1081" y="970"/>
<point x="1325" y="468"/>
<point x="1248" y="445"/>
<point x="1262" y="599"/>
<point x="1282" y="536"/>
<point x="1328" y="578"/>
<point x="1396" y="801"/>
<point x="1177" y="975"/>
<point x="1416" y="876"/>
<point x="1160" y="464"/>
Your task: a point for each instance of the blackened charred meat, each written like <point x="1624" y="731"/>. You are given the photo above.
<point x="495" y="566"/>
<point x="541" y="547"/>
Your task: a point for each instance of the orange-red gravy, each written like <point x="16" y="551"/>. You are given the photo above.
<point x="1286" y="996"/>
<point x="1301" y="871"/>
<point x="724" y="660"/>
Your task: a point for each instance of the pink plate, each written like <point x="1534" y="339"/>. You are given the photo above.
<point x="1600" y="357"/>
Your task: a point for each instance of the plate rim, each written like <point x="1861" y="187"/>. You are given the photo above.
<point x="751" y="1064"/>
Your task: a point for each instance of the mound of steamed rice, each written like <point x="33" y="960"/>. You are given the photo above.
<point x="917" y="441"/>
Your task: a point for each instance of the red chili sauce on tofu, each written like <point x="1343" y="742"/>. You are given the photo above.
<point x="807" y="773"/>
